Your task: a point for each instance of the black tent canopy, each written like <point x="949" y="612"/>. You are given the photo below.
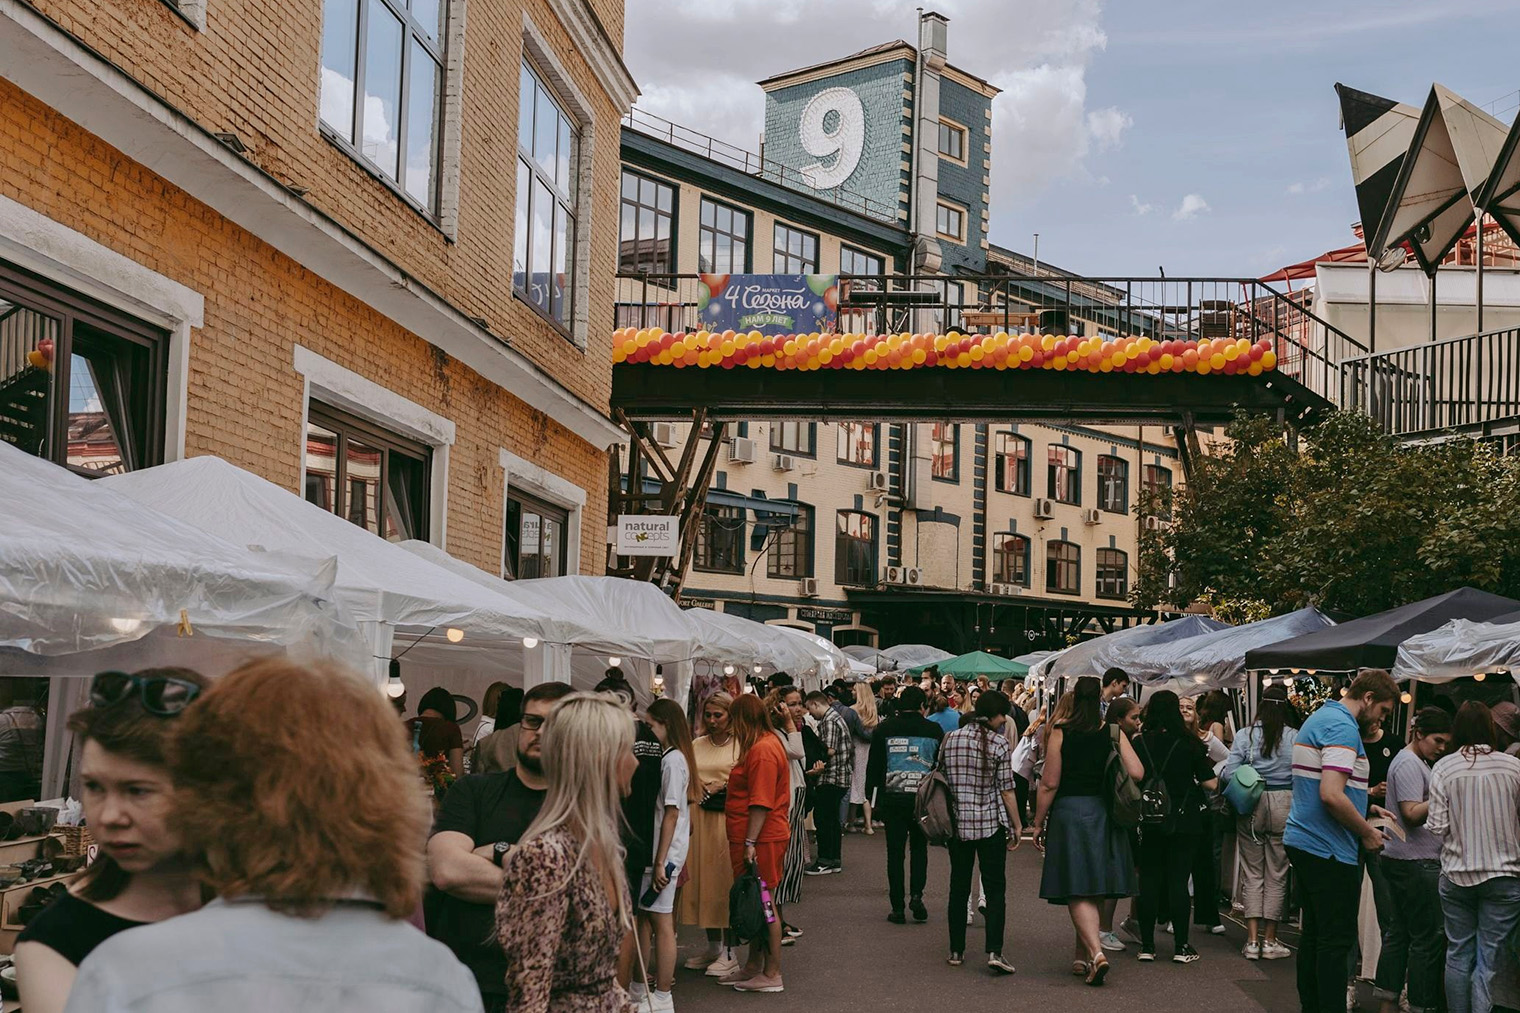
<point x="1373" y="641"/>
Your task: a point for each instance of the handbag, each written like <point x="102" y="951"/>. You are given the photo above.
<point x="714" y="801"/>
<point x="1245" y="787"/>
<point x="1023" y="757"/>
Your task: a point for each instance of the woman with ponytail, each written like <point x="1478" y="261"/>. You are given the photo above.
<point x="1087" y="857"/>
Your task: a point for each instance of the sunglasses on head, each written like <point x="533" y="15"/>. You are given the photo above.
<point x="161" y="695"/>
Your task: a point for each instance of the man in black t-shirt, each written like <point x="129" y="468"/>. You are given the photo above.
<point x="483" y="815"/>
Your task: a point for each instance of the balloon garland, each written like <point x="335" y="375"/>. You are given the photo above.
<point x="730" y="350"/>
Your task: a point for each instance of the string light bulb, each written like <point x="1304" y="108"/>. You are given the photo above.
<point x="1406" y="698"/>
<point x="614" y="662"/>
<point x="759" y="669"/>
<point x="728" y="669"/>
<point x="1479" y="676"/>
<point x="454" y="634"/>
<point x="126" y="626"/>
<point x="530" y="642"/>
<point x="1266" y="681"/>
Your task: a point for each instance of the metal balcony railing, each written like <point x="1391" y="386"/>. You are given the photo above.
<point x="1459" y="384"/>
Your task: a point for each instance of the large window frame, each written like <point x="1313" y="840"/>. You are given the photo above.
<point x="519" y="507"/>
<point x="1063" y="567"/>
<point x="799" y="439"/>
<point x="857" y="262"/>
<point x="1063" y="477"/>
<point x="1010" y="558"/>
<point x="723" y="237"/>
<point x="1111" y="573"/>
<point x="790" y="555"/>
<point x="542" y="125"/>
<point x="1113" y="484"/>
<point x="420" y="29"/>
<point x="945" y="452"/>
<point x="720" y="539"/>
<point x="651" y="205"/>
<point x="412" y="518"/>
<point x="125" y="363"/>
<point x="1156" y="480"/>
<point x="795" y="251"/>
<point x="1012" y="463"/>
<point x="855" y="548"/>
<point x="859" y="444"/>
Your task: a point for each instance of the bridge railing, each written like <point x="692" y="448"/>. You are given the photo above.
<point x="1308" y="349"/>
<point x="1457" y="384"/>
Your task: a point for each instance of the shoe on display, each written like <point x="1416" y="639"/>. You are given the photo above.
<point x="1185" y="955"/>
<point x="700" y="962"/>
<point x="760" y="983"/>
<point x="1251" y="951"/>
<point x="916" y="905"/>
<point x="955" y="960"/>
<point x="897" y="918"/>
<point x="1271" y="949"/>
<point x="1110" y="942"/>
<point x="722" y="968"/>
<point x="997" y="965"/>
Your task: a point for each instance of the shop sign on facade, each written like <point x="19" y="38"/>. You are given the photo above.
<point x="699" y="603"/>
<point x="818" y="615"/>
<point x="648" y="535"/>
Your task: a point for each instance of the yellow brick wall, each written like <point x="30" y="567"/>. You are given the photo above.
<point x="255" y="70"/>
<point x="244" y="393"/>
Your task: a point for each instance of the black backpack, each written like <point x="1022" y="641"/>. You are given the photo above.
<point x="1156" y="809"/>
<point x="746" y="908"/>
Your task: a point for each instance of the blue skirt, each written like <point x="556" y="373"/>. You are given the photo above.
<point x="1085" y="854"/>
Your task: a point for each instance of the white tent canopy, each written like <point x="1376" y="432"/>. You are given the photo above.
<point x="1087" y="658"/>
<point x="92" y="579"/>
<point x="1460" y="648"/>
<point x="832" y="662"/>
<point x="751" y="646"/>
<point x="1212" y="660"/>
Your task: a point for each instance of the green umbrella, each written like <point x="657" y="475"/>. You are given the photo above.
<point x="969" y="666"/>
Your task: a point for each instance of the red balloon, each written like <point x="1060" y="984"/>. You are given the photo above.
<point x="1130" y="365"/>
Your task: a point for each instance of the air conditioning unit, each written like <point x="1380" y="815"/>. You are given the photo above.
<point x="1005" y="590"/>
<point x="784" y="462"/>
<point x="742" y="450"/>
<point x="1153" y="523"/>
<point x="807" y="587"/>
<point x="664" y="433"/>
<point x="1093" y="516"/>
<point x="913" y="576"/>
<point x="1044" y="509"/>
<point x="892" y="575"/>
<point x="877" y="480"/>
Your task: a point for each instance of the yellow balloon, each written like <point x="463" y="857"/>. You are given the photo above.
<point x="919" y="356"/>
<point x="940" y="342"/>
<point x="1106" y="366"/>
<point x="1002" y="337"/>
<point x="976" y="353"/>
<point x="1216" y="361"/>
<point x="1025" y="353"/>
<point x="1203" y="367"/>
<point x="767" y="360"/>
<point x="1167" y="360"/>
<point x="1047" y="342"/>
<point x="1231" y="352"/>
<point x="1153" y="368"/>
<point x="1254" y="369"/>
<point x="756" y="336"/>
<point x="825" y="357"/>
<point x="836" y="347"/>
<point x="871" y="356"/>
<point x="1268" y="359"/>
<point x="815" y="361"/>
<point x="963" y="360"/>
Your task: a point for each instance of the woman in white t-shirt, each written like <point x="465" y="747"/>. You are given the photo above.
<point x="672" y="835"/>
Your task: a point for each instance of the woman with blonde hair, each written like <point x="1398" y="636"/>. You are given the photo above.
<point x="703" y="901"/>
<point x="564" y="907"/>
<point x="303" y="805"/>
<point x="865" y="709"/>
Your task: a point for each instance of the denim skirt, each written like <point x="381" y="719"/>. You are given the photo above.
<point x="1085" y="854"/>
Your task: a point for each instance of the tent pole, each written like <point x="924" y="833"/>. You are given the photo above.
<point x="1480" y="271"/>
<point x="1372" y="274"/>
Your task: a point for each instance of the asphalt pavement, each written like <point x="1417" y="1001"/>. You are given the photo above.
<point x="851" y="958"/>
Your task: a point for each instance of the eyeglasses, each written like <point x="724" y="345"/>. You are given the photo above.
<point x="532" y="722"/>
<point x="161" y="695"/>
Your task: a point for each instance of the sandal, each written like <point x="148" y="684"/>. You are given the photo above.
<point x="1079" y="968"/>
<point x="1097" y="970"/>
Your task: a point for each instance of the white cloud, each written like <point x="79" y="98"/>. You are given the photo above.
<point x="1138" y="207"/>
<point x="1107" y="125"/>
<point x="1312" y="186"/>
<point x="1191" y="207"/>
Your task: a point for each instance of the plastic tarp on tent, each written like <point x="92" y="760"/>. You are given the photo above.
<point x="1082" y="659"/>
<point x="832" y="662"/>
<point x="910" y="655"/>
<point x="868" y="655"/>
<point x="1212" y="660"/>
<point x="1461" y="648"/>
<point x="1373" y="641"/>
<point x="92" y="579"/>
<point x="744" y="643"/>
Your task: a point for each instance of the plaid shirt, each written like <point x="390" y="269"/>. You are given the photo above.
<point x="978" y="777"/>
<point x="841" y="762"/>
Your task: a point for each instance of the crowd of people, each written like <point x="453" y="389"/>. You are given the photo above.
<point x="281" y="807"/>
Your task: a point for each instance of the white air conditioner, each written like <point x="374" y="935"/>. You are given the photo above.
<point x="1153" y="523"/>
<point x="807" y="587"/>
<point x="664" y="433"/>
<point x="877" y="481"/>
<point x="1005" y="589"/>
<point x="784" y="462"/>
<point x="1044" y="509"/>
<point x="1093" y="516"/>
<point x="742" y="450"/>
<point x="913" y="576"/>
<point x="892" y="575"/>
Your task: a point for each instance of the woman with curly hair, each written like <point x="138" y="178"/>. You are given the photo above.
<point x="303" y="806"/>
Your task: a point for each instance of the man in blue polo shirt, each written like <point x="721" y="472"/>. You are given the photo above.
<point x="1327" y="829"/>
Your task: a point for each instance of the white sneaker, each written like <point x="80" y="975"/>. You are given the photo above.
<point x="1271" y="949"/>
<point x="1217" y="930"/>
<point x="659" y="1002"/>
<point x="722" y="968"/>
<point x="1251" y="951"/>
<point x="1110" y="942"/>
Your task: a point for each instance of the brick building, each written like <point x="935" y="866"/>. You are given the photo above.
<point x="312" y="237"/>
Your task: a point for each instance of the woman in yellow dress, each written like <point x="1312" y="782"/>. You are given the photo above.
<point x="703" y="901"/>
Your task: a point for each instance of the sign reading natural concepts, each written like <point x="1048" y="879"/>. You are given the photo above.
<point x="769" y="303"/>
<point x="648" y="535"/>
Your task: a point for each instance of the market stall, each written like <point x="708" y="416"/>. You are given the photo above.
<point x="831" y="661"/>
<point x="968" y="666"/>
<point x="1461" y="648"/>
<point x="730" y="641"/>
<point x="1213" y="660"/>
<point x="1081" y="659"/>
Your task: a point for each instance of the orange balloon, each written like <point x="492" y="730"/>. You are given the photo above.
<point x="1190" y="359"/>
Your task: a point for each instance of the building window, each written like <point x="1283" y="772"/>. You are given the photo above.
<point x="1063" y="568"/>
<point x="720" y="539"/>
<point x="722" y="239"/>
<point x="857" y="444"/>
<point x="382" y="88"/>
<point x="547" y="145"/>
<point x="952" y="141"/>
<point x="1158" y="491"/>
<point x="1113" y="484"/>
<point x="795" y="438"/>
<point x="1064" y="479"/>
<point x="945" y="451"/>
<point x="1010" y="559"/>
<point x="796" y="251"/>
<point x="81" y="384"/>
<point x="373" y="477"/>
<point x="1012" y="464"/>
<point x="536" y="538"/>
<point x="858" y="262"/>
<point x="791" y="552"/>
<point x="855" y="548"/>
<point x="1112" y="573"/>
<point x="950" y="222"/>
<point x="647" y="226"/>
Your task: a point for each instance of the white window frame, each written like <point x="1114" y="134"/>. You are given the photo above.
<point x="535" y="480"/>
<point x="332" y="384"/>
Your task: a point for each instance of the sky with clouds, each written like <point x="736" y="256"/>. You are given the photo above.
<point x="1189" y="135"/>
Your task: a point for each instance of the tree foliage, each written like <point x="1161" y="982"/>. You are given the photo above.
<point x="1353" y="521"/>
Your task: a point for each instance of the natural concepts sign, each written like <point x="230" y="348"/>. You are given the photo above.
<point x="647" y="535"/>
<point x="769" y="303"/>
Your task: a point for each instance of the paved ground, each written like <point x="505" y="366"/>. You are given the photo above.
<point x="851" y="958"/>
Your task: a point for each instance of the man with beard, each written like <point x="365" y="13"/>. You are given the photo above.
<point x="1328" y="829"/>
<point x="483" y="816"/>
